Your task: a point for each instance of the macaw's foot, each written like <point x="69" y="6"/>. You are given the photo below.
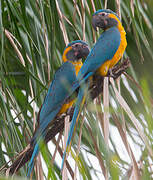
<point x="118" y="69"/>
<point x="111" y="74"/>
<point x="69" y="110"/>
<point x="62" y="115"/>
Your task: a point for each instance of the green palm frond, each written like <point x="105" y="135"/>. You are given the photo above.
<point x="33" y="35"/>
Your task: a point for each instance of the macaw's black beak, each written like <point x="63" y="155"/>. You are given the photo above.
<point x="103" y="21"/>
<point x="83" y="51"/>
<point x="94" y="22"/>
<point x="99" y="21"/>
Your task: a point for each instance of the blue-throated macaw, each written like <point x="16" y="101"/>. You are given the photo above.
<point x="107" y="51"/>
<point x="59" y="89"/>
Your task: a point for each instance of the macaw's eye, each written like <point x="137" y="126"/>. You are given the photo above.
<point x="76" y="45"/>
<point x="103" y="14"/>
<point x="84" y="46"/>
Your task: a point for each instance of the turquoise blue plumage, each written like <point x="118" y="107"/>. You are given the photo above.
<point x="59" y="89"/>
<point x="107" y="51"/>
<point x="52" y="104"/>
<point x="81" y="96"/>
<point x="103" y="50"/>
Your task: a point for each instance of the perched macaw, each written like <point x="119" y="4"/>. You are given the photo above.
<point x="59" y="89"/>
<point x="107" y="51"/>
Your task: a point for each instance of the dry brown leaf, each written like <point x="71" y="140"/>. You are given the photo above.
<point x="7" y="33"/>
<point x="57" y="145"/>
<point x="106" y="109"/>
<point x="66" y="128"/>
<point x="98" y="154"/>
<point x="83" y="19"/>
<point x="62" y="25"/>
<point x="61" y="154"/>
<point x="132" y="7"/>
<point x="79" y="144"/>
<point x="100" y="114"/>
<point x="128" y="148"/>
<point x="118" y="5"/>
<point x="105" y="6"/>
<point x="134" y="120"/>
<point x="13" y="41"/>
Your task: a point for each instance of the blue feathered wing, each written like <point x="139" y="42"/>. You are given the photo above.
<point x="57" y="93"/>
<point x="104" y="49"/>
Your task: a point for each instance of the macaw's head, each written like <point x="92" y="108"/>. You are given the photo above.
<point x="75" y="50"/>
<point x="104" y="19"/>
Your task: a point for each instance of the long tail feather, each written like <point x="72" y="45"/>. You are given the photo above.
<point x="31" y="163"/>
<point x="78" y="106"/>
<point x="80" y="82"/>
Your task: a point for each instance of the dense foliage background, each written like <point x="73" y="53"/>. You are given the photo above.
<point x="33" y="35"/>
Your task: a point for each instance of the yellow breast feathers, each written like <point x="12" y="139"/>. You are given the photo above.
<point x="119" y="53"/>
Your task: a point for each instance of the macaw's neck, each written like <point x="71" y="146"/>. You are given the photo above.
<point x="103" y="70"/>
<point x="77" y="65"/>
<point x="64" y="57"/>
<point x="119" y="53"/>
<point x="119" y="26"/>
